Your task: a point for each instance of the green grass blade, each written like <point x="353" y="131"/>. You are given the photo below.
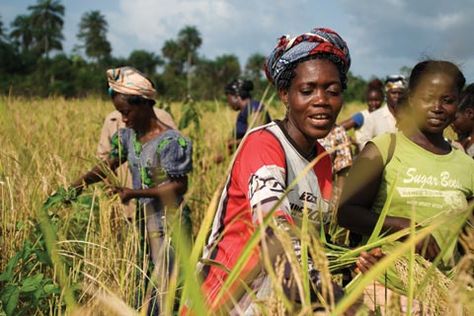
<point x="411" y="263"/>
<point x="378" y="227"/>
<point x="59" y="266"/>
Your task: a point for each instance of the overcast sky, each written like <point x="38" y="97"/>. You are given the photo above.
<point x="383" y="35"/>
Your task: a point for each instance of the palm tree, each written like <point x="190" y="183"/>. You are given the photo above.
<point x="22" y="32"/>
<point x="92" y="32"/>
<point x="189" y="40"/>
<point x="145" y="61"/>
<point x="47" y="22"/>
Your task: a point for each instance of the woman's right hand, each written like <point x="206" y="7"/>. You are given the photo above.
<point x="368" y="259"/>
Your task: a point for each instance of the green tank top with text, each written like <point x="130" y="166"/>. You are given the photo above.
<point x="426" y="184"/>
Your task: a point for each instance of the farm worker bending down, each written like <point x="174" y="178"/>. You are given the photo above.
<point x="310" y="73"/>
<point x="112" y="123"/>
<point x="429" y="177"/>
<point x="158" y="156"/>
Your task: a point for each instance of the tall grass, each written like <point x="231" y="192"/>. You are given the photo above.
<point x="45" y="144"/>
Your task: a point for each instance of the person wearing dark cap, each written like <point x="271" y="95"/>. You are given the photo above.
<point x="239" y="97"/>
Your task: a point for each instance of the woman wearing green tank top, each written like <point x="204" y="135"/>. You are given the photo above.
<point x="429" y="176"/>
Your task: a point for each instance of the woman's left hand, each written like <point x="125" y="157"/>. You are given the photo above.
<point x="367" y="260"/>
<point x="124" y="194"/>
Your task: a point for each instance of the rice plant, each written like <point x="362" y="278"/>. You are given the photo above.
<point x="81" y="255"/>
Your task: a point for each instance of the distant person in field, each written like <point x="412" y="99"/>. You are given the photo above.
<point x="112" y="123"/>
<point x="239" y="97"/>
<point x="374" y="97"/>
<point x="463" y="125"/>
<point x="159" y="158"/>
<point x="383" y="120"/>
<point x="429" y="176"/>
<point x="310" y="75"/>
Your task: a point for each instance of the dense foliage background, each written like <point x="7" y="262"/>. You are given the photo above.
<point x="32" y="61"/>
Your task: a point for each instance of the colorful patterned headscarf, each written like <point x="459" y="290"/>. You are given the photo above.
<point x="318" y="41"/>
<point x="128" y="80"/>
<point x="394" y="82"/>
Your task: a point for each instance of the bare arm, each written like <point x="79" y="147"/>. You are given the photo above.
<point x="166" y="191"/>
<point x="358" y="195"/>
<point x="348" y="124"/>
<point x="96" y="174"/>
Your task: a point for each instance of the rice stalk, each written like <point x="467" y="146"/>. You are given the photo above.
<point x="357" y="288"/>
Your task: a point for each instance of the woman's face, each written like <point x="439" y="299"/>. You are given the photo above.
<point x="434" y="102"/>
<point x="464" y="122"/>
<point x="234" y="101"/>
<point x="393" y="97"/>
<point x="314" y="98"/>
<point x="374" y="100"/>
<point x="132" y="116"/>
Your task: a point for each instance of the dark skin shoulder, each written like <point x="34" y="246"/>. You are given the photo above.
<point x="360" y="190"/>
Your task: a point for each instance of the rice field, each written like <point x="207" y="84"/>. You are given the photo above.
<point x="100" y="267"/>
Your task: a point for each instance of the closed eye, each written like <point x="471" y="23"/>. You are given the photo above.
<point x="333" y="92"/>
<point x="449" y="100"/>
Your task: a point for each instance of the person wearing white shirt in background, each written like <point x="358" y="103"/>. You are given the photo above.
<point x="374" y="97"/>
<point x="383" y="120"/>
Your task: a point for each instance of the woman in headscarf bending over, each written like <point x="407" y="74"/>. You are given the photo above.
<point x="309" y="72"/>
<point x="159" y="158"/>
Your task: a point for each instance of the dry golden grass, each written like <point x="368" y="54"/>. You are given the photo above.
<point x="46" y="144"/>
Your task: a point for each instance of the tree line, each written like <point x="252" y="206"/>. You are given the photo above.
<point x="32" y="61"/>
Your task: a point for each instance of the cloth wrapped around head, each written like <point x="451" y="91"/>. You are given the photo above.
<point x="129" y="81"/>
<point x="318" y="41"/>
<point x="239" y="87"/>
<point x="395" y="82"/>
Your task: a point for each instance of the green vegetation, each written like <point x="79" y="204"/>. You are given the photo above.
<point x="105" y="270"/>
<point x="64" y="254"/>
<point x="32" y="61"/>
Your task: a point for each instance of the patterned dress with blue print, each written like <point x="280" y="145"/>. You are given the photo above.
<point x="167" y="156"/>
